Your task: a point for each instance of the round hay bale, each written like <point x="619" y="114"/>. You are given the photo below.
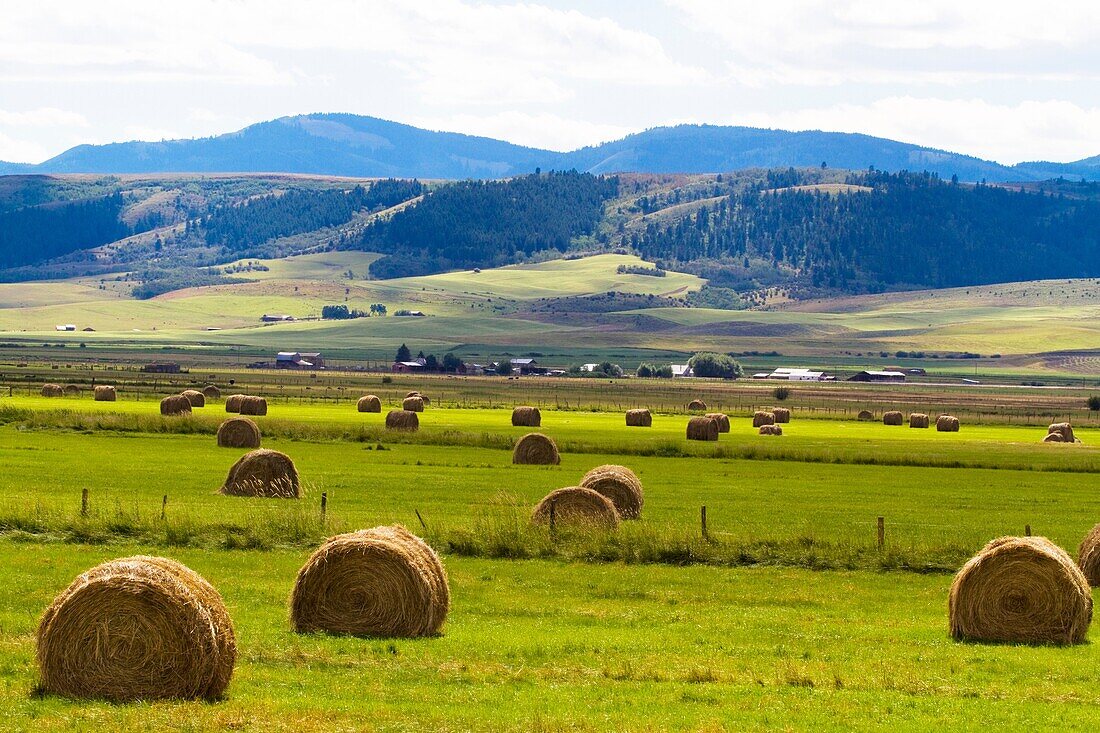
<point x="1054" y="438"/>
<point x="252" y="405"/>
<point x="526" y="417"/>
<point x="211" y="392"/>
<point x="762" y="418"/>
<point x="53" y="390"/>
<point x="195" y="397"/>
<point x="771" y="430"/>
<point x="238" y="432"/>
<point x="577" y="505"/>
<point x="402" y="420"/>
<point x="382" y="582"/>
<point x="536" y="449"/>
<point x="1020" y="590"/>
<point x="722" y="419"/>
<point x="697" y="406"/>
<point x="1063" y="429"/>
<point x="414" y="393"/>
<point x="104" y="393"/>
<point x="72" y="390"/>
<point x="947" y="424"/>
<point x="865" y="415"/>
<point x="266" y="473"/>
<point x="781" y="414"/>
<point x="369" y="403"/>
<point x="918" y="420"/>
<point x="413" y="404"/>
<point x="233" y="402"/>
<point x="177" y="404"/>
<point x="1088" y="556"/>
<point x="702" y="428"/>
<point x="893" y="417"/>
<point x="639" y="419"/>
<point x="620" y="485"/>
<point x="137" y="628"/>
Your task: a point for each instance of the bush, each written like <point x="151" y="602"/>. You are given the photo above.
<point x="710" y="364"/>
<point x="1093" y="402"/>
<point x="781" y="393"/>
<point x="387" y="379"/>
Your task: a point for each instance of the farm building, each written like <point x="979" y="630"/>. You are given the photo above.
<point x="162" y="367"/>
<point x="681" y="370"/>
<point x="796" y="374"/>
<point x="275" y="317"/>
<point x="911" y="371"/>
<point x="589" y="367"/>
<point x="406" y="367"/>
<point x="877" y="376"/>
<point x="299" y="360"/>
<point x="65" y="327"/>
<point x="527" y="366"/>
<point x="414" y="314"/>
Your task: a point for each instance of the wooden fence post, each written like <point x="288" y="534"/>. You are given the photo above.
<point x="324" y="506"/>
<point x="881" y="533"/>
<point x="1027" y="530"/>
<point x="84" y="502"/>
<point x="422" y="524"/>
<point x="703" y="521"/>
<point x="163" y="507"/>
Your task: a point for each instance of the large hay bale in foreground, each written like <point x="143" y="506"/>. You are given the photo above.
<point x="382" y="582"/>
<point x="53" y="390"/>
<point x="762" y="418"/>
<point x="1053" y="438"/>
<point x="722" y="419"/>
<point x="526" y="417"/>
<point x="1023" y="590"/>
<point x="413" y="404"/>
<point x="918" y="420"/>
<point x="702" y="428"/>
<point x="1088" y="556"/>
<point x="620" y="485"/>
<point x="195" y="397"/>
<point x="138" y="628"/>
<point x="72" y="390"/>
<point x="536" y="449"/>
<point x="697" y="406"/>
<point x="1063" y="429"/>
<point x="233" y="402"/>
<point x="266" y="473"/>
<point x="865" y="415"/>
<point x="238" y="432"/>
<point x="253" y="405"/>
<point x="177" y="404"/>
<point x="640" y="418"/>
<point x="402" y="420"/>
<point x="369" y="403"/>
<point x="578" y="506"/>
<point x="104" y="393"/>
<point x="781" y="414"/>
<point x="211" y="392"/>
<point x="947" y="424"/>
<point x="893" y="417"/>
<point x="771" y="430"/>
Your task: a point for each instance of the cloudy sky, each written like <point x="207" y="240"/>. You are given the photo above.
<point x="1001" y="79"/>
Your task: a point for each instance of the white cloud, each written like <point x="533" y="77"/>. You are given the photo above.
<point x="42" y="117"/>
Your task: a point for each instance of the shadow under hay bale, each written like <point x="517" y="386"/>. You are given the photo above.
<point x="402" y="420"/>
<point x="233" y="402"/>
<point x="536" y="449"/>
<point x="137" y="628"/>
<point x="697" y="406"/>
<point x="947" y="424"/>
<point x="252" y="405"/>
<point x="238" y="432"/>
<point x="1063" y="430"/>
<point x="1088" y="556"/>
<point x="771" y="430"/>
<point x="195" y="397"/>
<point x="577" y="506"/>
<point x="526" y="417"/>
<point x="865" y="415"/>
<point x="893" y="417"/>
<point x="177" y="404"/>
<point x="369" y="403"/>
<point x="722" y="419"/>
<point x="781" y="415"/>
<point x="380" y="582"/>
<point x="413" y="404"/>
<point x="1022" y="590"/>
<point x="263" y="473"/>
<point x="918" y="420"/>
<point x="53" y="390"/>
<point x="762" y="418"/>
<point x="211" y="392"/>
<point x="104" y="393"/>
<point x="620" y="485"/>
<point x="702" y="428"/>
<point x="639" y="419"/>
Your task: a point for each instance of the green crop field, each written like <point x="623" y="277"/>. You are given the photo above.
<point x="786" y="615"/>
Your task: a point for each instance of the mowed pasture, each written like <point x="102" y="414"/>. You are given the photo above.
<point x="788" y="615"/>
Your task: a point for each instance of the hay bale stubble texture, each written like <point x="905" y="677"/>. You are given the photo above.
<point x="369" y="403"/>
<point x="413" y="404"/>
<point x="639" y="419"/>
<point x="72" y="390"/>
<point x="697" y="406"/>
<point x="104" y="393"/>
<point x="781" y="414"/>
<point x="762" y="418"/>
<point x="722" y="419"/>
<point x="1063" y="429"/>
<point x="195" y="397"/>
<point x="53" y="390"/>
<point x="620" y="485"/>
<point x="577" y="506"/>
<point x="526" y="417"/>
<point x="233" y="402"/>
<point x="239" y="432"/>
<point x="402" y="420"/>
<point x="380" y="582"/>
<point x="1023" y="590"/>
<point x="176" y="404"/>
<point x="536" y="449"/>
<point x="252" y="405"/>
<point x="1053" y="438"/>
<point x="138" y="628"/>
<point x="702" y="428"/>
<point x="1088" y="556"/>
<point x="264" y="473"/>
<point x="947" y="424"/>
<point x="893" y="417"/>
<point x="771" y="430"/>
<point x="211" y="392"/>
<point x="918" y="420"/>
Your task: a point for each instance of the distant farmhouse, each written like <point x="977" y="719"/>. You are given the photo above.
<point x="162" y="367"/>
<point x="794" y="374"/>
<point x="65" y="327"/>
<point x="408" y="367"/>
<point x="276" y="317"/>
<point x="299" y="360"/>
<point x="682" y="370"/>
<point x="528" y="366"/>
<point x="877" y="376"/>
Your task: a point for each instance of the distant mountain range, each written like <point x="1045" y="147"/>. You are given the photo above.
<point x="354" y="145"/>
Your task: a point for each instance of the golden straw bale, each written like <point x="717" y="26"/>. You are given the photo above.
<point x="177" y="404"/>
<point x="536" y="449"/>
<point x="762" y="418"/>
<point x="253" y="405"/>
<point x="697" y="406"/>
<point x="380" y="582"/>
<point x="72" y="390"/>
<point x="239" y="432"/>
<point x="414" y="393"/>
<point x="402" y="420"/>
<point x="1053" y="438"/>
<point x="233" y="402"/>
<point x="620" y="485"/>
<point x="722" y="419"/>
<point x="639" y="419"/>
<point x="918" y="420"/>
<point x="578" y="506"/>
<point x="947" y="424"/>
<point x="264" y="473"/>
<point x="104" y="393"/>
<point x="893" y="417"/>
<point x="211" y="392"/>
<point x="1088" y="556"/>
<point x="413" y="404"/>
<point x="1022" y="590"/>
<point x="526" y="417"/>
<point x="782" y="415"/>
<point x="195" y="397"/>
<point x="137" y="628"/>
<point x="702" y="428"/>
<point x="771" y="430"/>
<point x="53" y="390"/>
<point x="1063" y="429"/>
<point x="369" y="403"/>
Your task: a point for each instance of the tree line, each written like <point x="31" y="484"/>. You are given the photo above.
<point x="36" y="233"/>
